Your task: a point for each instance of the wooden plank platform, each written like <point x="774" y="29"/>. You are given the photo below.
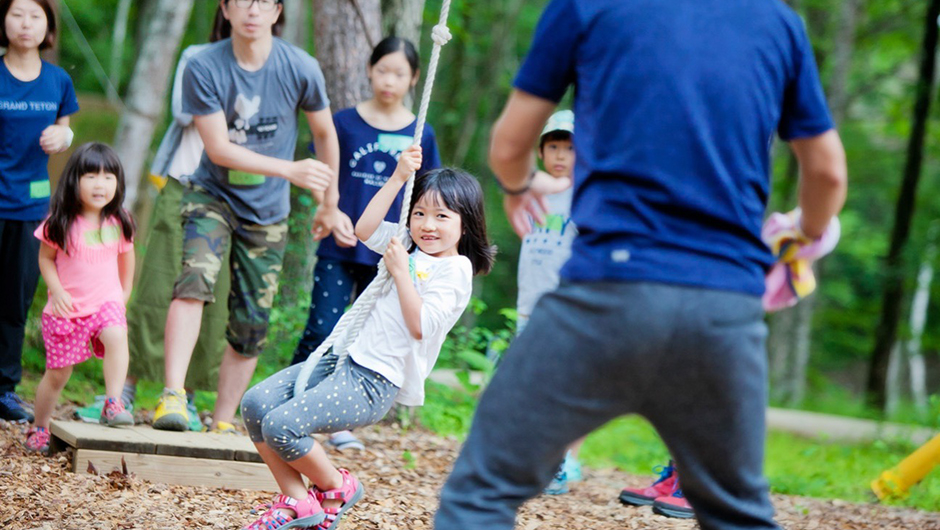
<point x="185" y="458"/>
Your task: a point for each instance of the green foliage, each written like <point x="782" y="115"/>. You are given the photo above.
<point x="447" y="411"/>
<point x="476" y="348"/>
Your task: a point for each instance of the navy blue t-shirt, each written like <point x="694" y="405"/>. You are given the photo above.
<point x="367" y="158"/>
<point x="677" y="104"/>
<point x="26" y="109"/>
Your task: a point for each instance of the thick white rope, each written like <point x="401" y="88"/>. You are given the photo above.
<point x="349" y="325"/>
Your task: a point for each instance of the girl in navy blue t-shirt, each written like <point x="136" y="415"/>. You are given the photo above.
<point x="371" y="137"/>
<point x="36" y="99"/>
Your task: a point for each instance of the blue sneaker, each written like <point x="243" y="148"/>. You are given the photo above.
<point x="559" y="483"/>
<point x="572" y="468"/>
<point x="13" y="409"/>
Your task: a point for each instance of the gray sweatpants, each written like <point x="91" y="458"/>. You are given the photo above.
<point x="336" y="398"/>
<point x="692" y="361"/>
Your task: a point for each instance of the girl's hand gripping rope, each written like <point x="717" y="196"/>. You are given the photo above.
<point x="409" y="162"/>
<point x="396" y="260"/>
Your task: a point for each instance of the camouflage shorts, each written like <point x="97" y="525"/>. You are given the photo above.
<point x="209" y="228"/>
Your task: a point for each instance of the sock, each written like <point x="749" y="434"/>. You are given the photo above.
<point x="128" y="394"/>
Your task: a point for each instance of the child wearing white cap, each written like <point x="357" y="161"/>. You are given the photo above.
<point x="547" y="246"/>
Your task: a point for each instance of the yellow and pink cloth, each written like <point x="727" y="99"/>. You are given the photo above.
<point x="791" y="277"/>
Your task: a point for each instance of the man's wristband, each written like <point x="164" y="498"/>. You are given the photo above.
<point x="525" y="186"/>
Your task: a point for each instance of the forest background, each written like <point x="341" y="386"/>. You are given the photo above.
<point x="866" y="344"/>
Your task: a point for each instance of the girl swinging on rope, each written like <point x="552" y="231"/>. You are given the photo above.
<point x="393" y="353"/>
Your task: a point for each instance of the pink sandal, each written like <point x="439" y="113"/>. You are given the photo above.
<point x="309" y="514"/>
<point x="38" y="439"/>
<point x="350" y="493"/>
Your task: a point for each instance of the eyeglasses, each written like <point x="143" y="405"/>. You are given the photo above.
<point x="264" y="5"/>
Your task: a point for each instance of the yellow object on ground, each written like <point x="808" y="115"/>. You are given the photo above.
<point x="224" y="427"/>
<point x="896" y="481"/>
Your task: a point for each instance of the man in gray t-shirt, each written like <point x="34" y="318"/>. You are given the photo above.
<point x="260" y="109"/>
<point x="245" y="94"/>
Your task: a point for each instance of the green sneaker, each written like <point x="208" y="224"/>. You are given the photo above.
<point x="92" y="413"/>
<point x="195" y="424"/>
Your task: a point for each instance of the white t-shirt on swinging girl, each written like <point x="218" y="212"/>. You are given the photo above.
<point x="385" y="345"/>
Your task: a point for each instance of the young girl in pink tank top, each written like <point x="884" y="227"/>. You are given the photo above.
<point x="87" y="261"/>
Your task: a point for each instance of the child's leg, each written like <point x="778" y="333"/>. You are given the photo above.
<point x="575" y="446"/>
<point x="268" y="395"/>
<point x="351" y="396"/>
<point x="47" y="394"/>
<point x="116" y="356"/>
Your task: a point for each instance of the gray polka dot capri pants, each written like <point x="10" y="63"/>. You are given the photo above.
<point x="335" y="399"/>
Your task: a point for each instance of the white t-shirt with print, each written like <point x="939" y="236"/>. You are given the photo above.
<point x="385" y="345"/>
<point x="544" y="251"/>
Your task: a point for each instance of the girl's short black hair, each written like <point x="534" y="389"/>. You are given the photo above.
<point x="66" y="202"/>
<point x="461" y="193"/>
<point x="47" y="8"/>
<point x="396" y="44"/>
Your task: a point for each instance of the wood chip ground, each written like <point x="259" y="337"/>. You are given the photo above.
<point x="402" y="473"/>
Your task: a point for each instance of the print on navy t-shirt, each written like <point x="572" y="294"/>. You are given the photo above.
<point x="367" y="158"/>
<point x="26" y="109"/>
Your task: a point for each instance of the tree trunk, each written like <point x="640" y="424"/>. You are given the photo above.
<point x="918" y="320"/>
<point x="402" y="18"/>
<point x="343" y="48"/>
<point x="896" y="372"/>
<point x="146" y="93"/>
<point x="295" y="23"/>
<point x="117" y="41"/>
<point x="886" y="333"/>
<point x="842" y="53"/>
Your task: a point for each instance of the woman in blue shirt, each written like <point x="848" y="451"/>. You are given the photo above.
<point x="36" y="99"/>
<point x="371" y="136"/>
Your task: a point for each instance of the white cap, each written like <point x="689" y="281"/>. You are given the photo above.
<point x="563" y="120"/>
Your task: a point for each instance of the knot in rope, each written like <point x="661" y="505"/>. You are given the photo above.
<point x="441" y="35"/>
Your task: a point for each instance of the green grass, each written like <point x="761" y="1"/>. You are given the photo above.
<point x="794" y="465"/>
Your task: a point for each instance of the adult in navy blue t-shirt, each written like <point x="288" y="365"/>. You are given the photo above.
<point x="371" y="137"/>
<point x="659" y="312"/>
<point x="36" y="99"/>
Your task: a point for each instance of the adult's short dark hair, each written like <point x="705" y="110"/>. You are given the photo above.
<point x="222" y="28"/>
<point x="48" y="41"/>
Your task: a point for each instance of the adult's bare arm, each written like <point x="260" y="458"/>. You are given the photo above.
<point x="309" y="174"/>
<point x="512" y="159"/>
<point x="823" y="180"/>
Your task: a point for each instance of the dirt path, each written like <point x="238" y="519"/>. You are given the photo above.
<point x="402" y="474"/>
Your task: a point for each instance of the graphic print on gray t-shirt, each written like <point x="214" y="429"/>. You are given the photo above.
<point x="261" y="109"/>
<point x="544" y="251"/>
